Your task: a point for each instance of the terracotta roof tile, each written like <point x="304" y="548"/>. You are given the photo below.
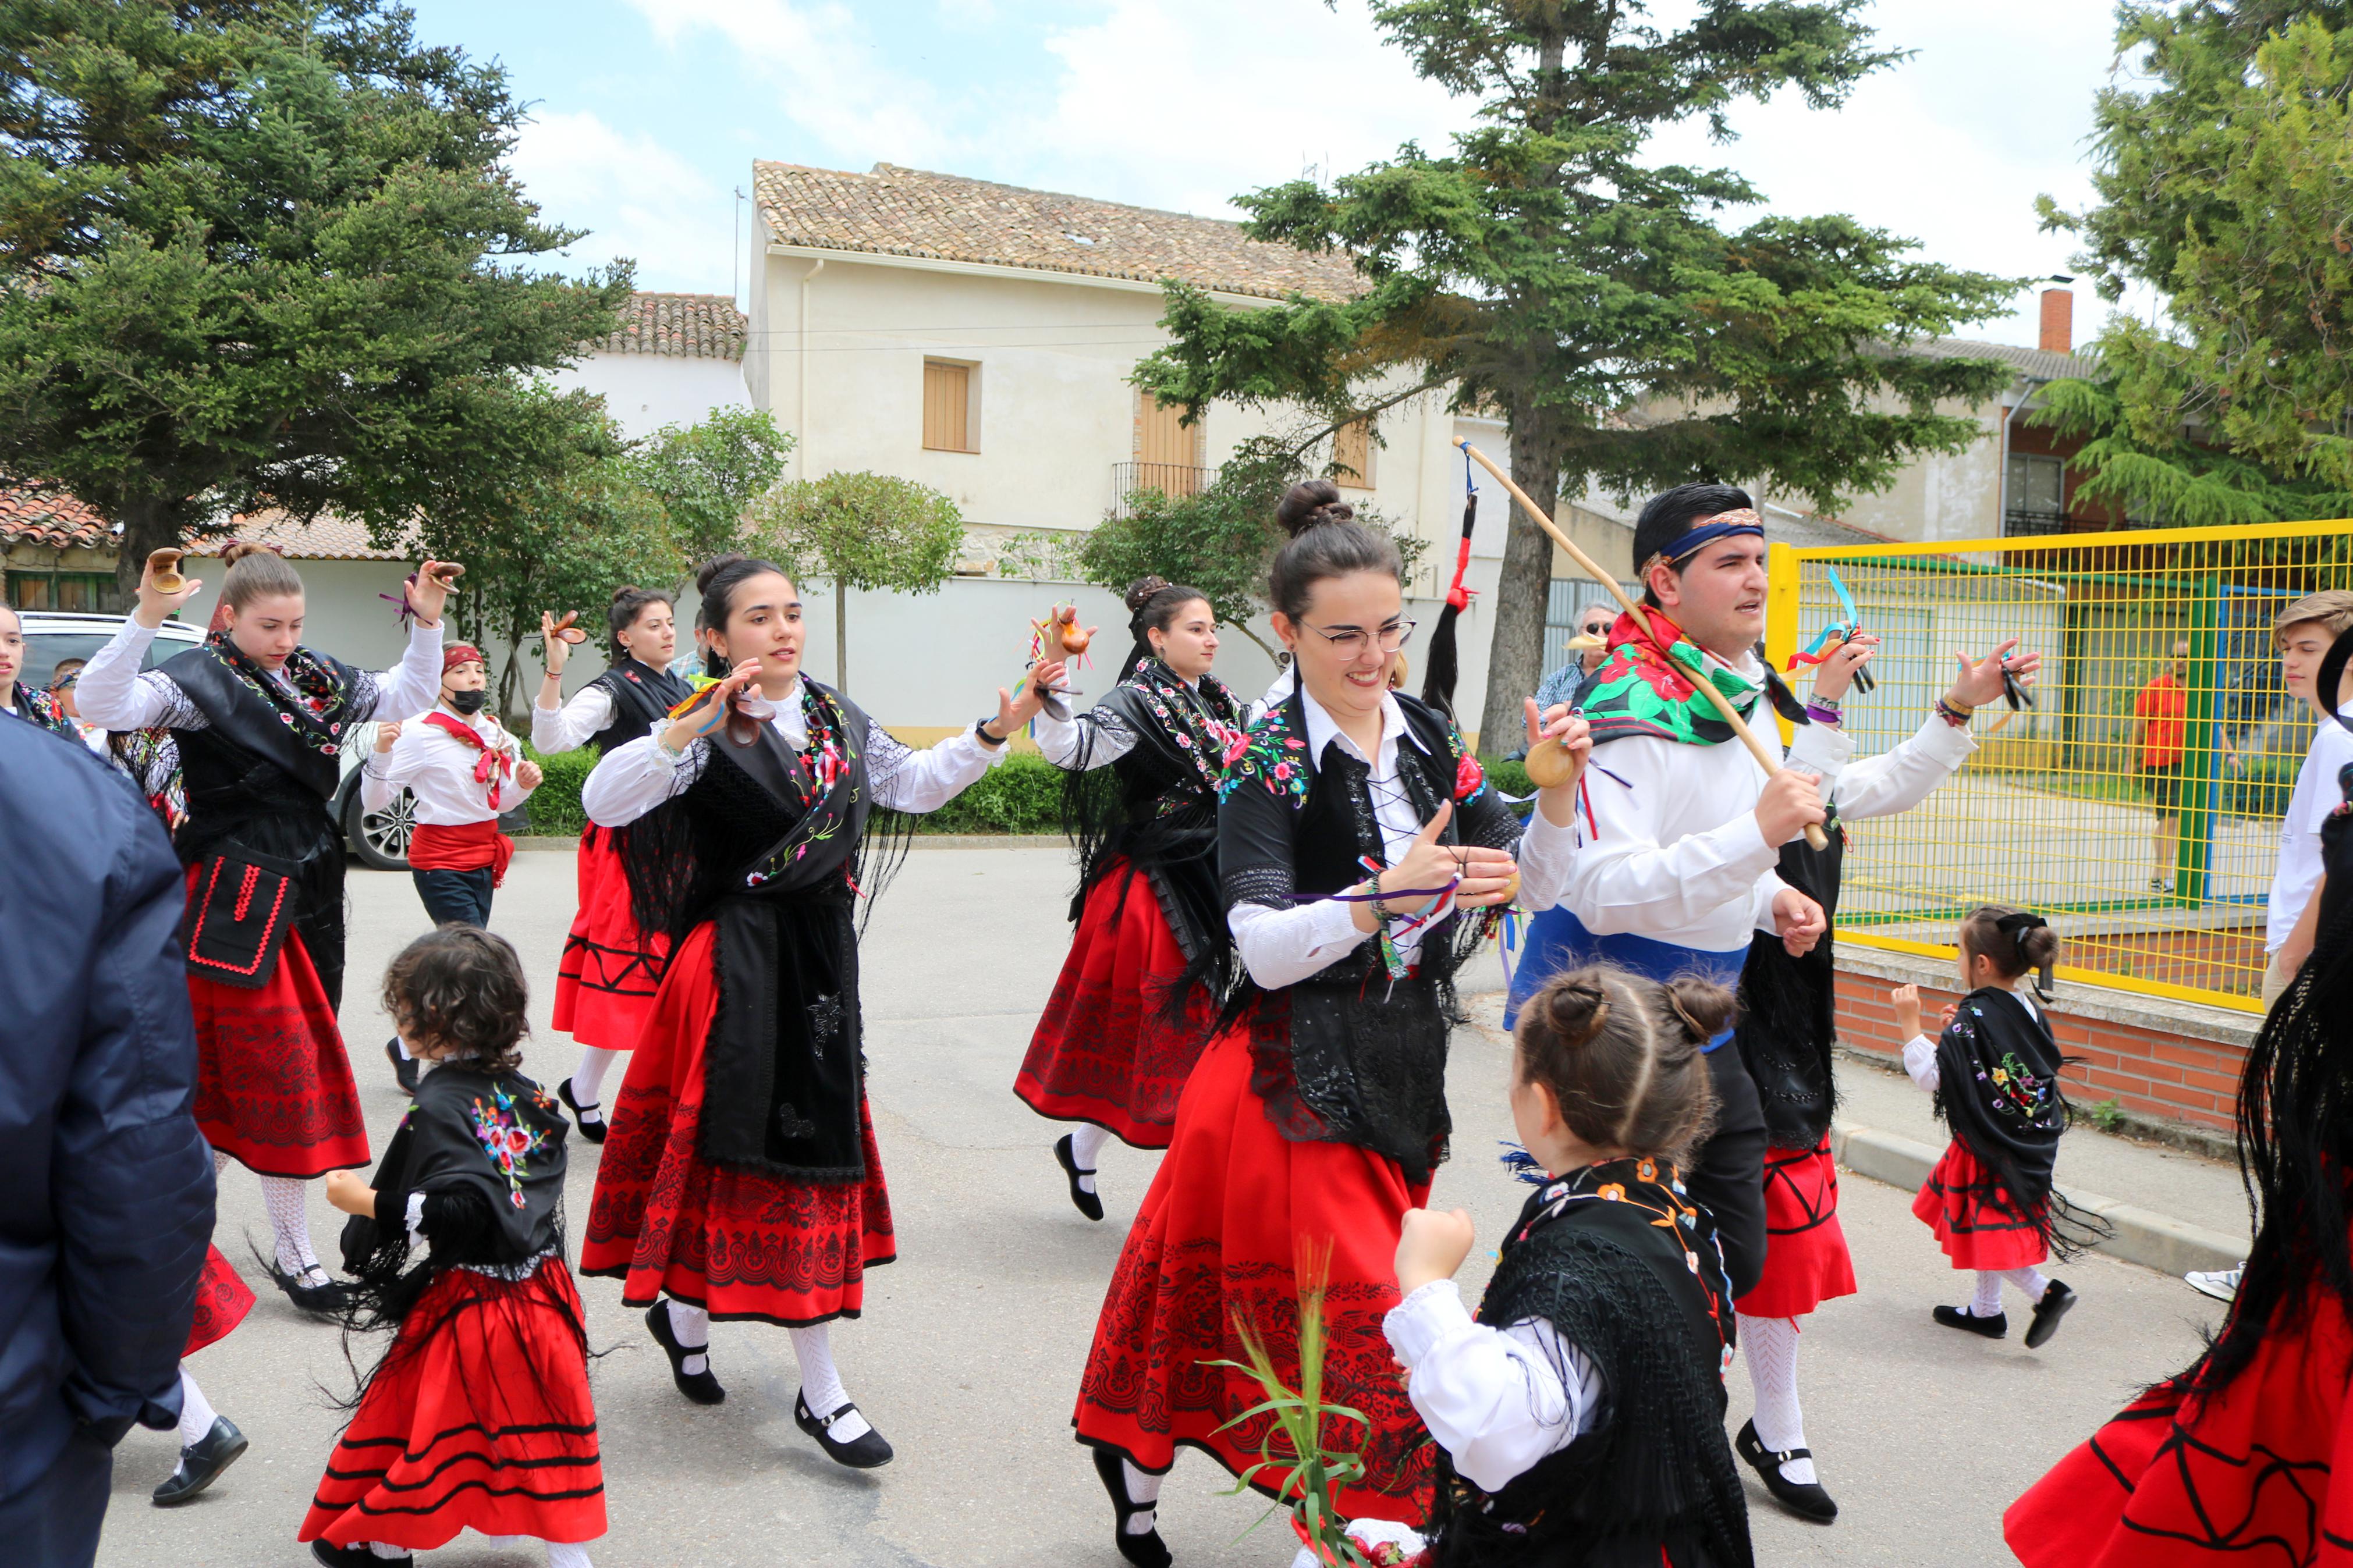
<point x="689" y="326"/>
<point x="29" y="516"/>
<point x="327" y="537"/>
<point x="893" y="211"/>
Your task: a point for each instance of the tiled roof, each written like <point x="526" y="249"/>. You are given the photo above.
<point x="2035" y="365"/>
<point x="688" y="326"/>
<point x="29" y="516"/>
<point x="893" y="211"/>
<point x="1812" y="531"/>
<point x="327" y="537"/>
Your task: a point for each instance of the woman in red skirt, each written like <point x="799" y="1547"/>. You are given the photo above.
<point x="1137" y="996"/>
<point x="1354" y="824"/>
<point x="1995" y="1073"/>
<point x="260" y="723"/>
<point x="604" y="982"/>
<point x="478" y="1415"/>
<point x="741" y="1179"/>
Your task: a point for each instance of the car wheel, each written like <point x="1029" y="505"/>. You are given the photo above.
<point x="380" y="838"/>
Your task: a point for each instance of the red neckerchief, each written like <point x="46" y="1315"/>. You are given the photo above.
<point x="493" y="766"/>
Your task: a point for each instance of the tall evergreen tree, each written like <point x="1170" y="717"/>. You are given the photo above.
<point x="1546" y="271"/>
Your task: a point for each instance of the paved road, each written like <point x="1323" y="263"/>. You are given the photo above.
<point x="971" y="1348"/>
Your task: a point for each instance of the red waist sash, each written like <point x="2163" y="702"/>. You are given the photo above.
<point x="436" y="847"/>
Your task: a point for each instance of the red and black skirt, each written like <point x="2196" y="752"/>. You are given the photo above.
<point x="485" y="1424"/>
<point x="1218" y="1233"/>
<point x="739" y="1244"/>
<point x="605" y="981"/>
<point x="274" y="1087"/>
<point x="1805" y="1258"/>
<point x="222" y="1302"/>
<point x="1972" y="1216"/>
<point x="2262" y="1472"/>
<point x="1105" y="1051"/>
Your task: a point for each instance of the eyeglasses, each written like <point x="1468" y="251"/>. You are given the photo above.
<point x="1596" y="628"/>
<point x="1351" y="641"/>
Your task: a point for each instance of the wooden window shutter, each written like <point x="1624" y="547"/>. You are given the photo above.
<point x="947" y="407"/>
<point x="1352" y="454"/>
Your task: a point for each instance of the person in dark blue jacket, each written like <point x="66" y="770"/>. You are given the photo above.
<point x="106" y="1188"/>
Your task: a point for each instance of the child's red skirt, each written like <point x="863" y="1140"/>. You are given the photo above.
<point x="1972" y="1217"/>
<point x="1805" y="1258"/>
<point x="222" y="1302"/>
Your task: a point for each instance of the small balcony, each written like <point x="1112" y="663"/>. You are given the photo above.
<point x="1173" y="479"/>
<point x="2021" y="524"/>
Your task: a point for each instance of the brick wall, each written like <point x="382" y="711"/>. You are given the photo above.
<point x="2154" y="1071"/>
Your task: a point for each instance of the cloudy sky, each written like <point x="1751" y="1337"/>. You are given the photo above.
<point x="648" y="113"/>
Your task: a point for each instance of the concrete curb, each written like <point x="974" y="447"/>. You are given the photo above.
<point x="2150" y="1239"/>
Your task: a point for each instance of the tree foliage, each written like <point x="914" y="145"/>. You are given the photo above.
<point x="260" y="255"/>
<point x="871" y="532"/>
<point x="2228" y="186"/>
<point x="708" y="474"/>
<point x="1544" y="271"/>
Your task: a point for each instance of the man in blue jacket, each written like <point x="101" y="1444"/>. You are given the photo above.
<point x="106" y="1190"/>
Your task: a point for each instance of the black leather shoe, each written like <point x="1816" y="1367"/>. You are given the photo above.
<point x="405" y="1068"/>
<point x="1807" y="1499"/>
<point x="326" y="1300"/>
<point x="2056" y="1299"/>
<point x="699" y="1386"/>
<point x="867" y="1451"/>
<point x="201" y="1463"/>
<point x="1145" y="1548"/>
<point x="354" y="1556"/>
<point x="1994" y="1328"/>
<point x="592" y="1131"/>
<point x="1087" y="1204"/>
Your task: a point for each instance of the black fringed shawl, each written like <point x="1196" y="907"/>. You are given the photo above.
<point x="1625" y="1268"/>
<point x="1787" y="1025"/>
<point x="1998" y="1089"/>
<point x="1349" y="1055"/>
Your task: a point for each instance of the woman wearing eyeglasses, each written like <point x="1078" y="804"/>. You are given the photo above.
<point x="1357" y="839"/>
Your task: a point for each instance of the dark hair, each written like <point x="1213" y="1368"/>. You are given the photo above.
<point x="255" y="571"/>
<point x="460" y="986"/>
<point x="1326" y="540"/>
<point x="1667" y="517"/>
<point x="2036" y="947"/>
<point x="1624" y="1056"/>
<point x="1153" y="604"/>
<point x="716" y="580"/>
<point x="628" y="604"/>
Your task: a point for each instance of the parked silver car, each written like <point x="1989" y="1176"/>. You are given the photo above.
<point x="380" y="839"/>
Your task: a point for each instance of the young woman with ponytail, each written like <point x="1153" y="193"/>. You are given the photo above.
<point x="1139" y="993"/>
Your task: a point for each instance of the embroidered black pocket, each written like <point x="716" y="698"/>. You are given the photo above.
<point x="238" y="918"/>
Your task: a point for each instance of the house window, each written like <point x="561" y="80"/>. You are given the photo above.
<point x="1352" y="454"/>
<point x="1168" y="451"/>
<point x="2037" y="499"/>
<point x="951" y="412"/>
<point x="43" y="590"/>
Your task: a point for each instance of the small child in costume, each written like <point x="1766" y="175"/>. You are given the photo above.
<point x="1580" y="1416"/>
<point x="478" y="1415"/>
<point x="1995" y="1073"/>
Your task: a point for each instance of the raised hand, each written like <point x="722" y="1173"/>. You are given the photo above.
<point x="430" y="592"/>
<point x="709" y="714"/>
<point x="385" y="734"/>
<point x="1905" y="1003"/>
<point x="1013" y="712"/>
<point x="1979" y="680"/>
<point x="554" y="648"/>
<point x="1836" y="673"/>
<point x="1572" y="734"/>
<point x="156" y="605"/>
<point x="528" y="775"/>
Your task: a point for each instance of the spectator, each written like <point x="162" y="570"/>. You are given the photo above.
<point x="1567" y="683"/>
<point x="109" y="1188"/>
<point x="2161" y="732"/>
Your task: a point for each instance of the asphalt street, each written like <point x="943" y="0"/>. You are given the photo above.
<point x="969" y="1353"/>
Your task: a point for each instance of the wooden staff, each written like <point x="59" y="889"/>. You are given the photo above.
<point x="1538" y="765"/>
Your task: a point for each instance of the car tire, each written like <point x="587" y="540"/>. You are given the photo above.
<point x="380" y="838"/>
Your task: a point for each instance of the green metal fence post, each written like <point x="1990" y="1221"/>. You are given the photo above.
<point x="2201" y="767"/>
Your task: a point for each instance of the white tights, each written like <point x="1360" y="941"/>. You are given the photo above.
<point x="1770" y="1346"/>
<point x="1987" y="1302"/>
<point x="197" y="1412"/>
<point x="1087" y="1144"/>
<point x="560" y="1554"/>
<point x="588" y="1080"/>
<point x="1143" y="1489"/>
<point x="813" y="1347"/>
<point x="290" y="1222"/>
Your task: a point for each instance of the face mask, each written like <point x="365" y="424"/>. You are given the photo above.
<point x="467" y="702"/>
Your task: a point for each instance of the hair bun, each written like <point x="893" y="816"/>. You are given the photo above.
<point x="1312" y="503"/>
<point x="624" y="590"/>
<point x="1576" y="1007"/>
<point x="712" y="567"/>
<point x="238" y="548"/>
<point x="1140" y="592"/>
<point x="1703" y="1006"/>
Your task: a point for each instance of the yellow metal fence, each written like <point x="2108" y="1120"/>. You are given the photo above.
<point x="2138" y="805"/>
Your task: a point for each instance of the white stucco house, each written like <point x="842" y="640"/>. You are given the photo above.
<point x="674" y="359"/>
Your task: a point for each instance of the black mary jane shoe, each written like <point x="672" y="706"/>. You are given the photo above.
<point x="1807" y="1499"/>
<point x="592" y="1131"/>
<point x="1145" y="1549"/>
<point x="1994" y="1328"/>
<point x="2056" y="1299"/>
<point x="325" y="1301"/>
<point x="405" y="1068"/>
<point x="354" y="1556"/>
<point x="1086" y="1202"/>
<point x="867" y="1451"/>
<point x="201" y="1463"/>
<point x="699" y="1386"/>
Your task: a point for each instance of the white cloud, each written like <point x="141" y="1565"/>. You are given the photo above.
<point x="639" y="199"/>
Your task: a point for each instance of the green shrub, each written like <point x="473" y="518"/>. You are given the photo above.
<point x="1021" y="795"/>
<point x="1511" y="778"/>
<point x="2260" y="792"/>
<point x="556" y="804"/>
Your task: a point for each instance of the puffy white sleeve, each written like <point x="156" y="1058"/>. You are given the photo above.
<point x="1284" y="947"/>
<point x="906" y="779"/>
<point x="568" y="729"/>
<point x="1083" y="741"/>
<point x="1623" y="880"/>
<point x="113" y="693"/>
<point x="383" y="777"/>
<point x="1495" y="1400"/>
<point x="414" y="685"/>
<point x="1896" y="780"/>
<point x="1920" y="1061"/>
<point x="631" y="779"/>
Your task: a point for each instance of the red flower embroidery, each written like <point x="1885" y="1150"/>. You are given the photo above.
<point x="1467" y="776"/>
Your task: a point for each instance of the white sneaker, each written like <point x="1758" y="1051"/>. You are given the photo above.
<point x="2222" y="1284"/>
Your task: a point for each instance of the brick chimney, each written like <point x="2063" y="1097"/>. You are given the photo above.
<point x="2058" y="322"/>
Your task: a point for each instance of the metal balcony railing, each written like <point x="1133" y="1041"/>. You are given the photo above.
<point x="1156" y="478"/>
<point x="2019" y="523"/>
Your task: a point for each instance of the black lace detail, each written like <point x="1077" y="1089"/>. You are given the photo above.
<point x="1268" y="885"/>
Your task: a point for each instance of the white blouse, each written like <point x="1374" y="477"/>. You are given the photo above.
<point x="568" y="729"/>
<point x="1494" y="1399"/>
<point x="116" y="694"/>
<point x="439" y="769"/>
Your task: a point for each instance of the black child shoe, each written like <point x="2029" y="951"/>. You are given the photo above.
<point x="1807" y="1499"/>
<point x="1994" y="1328"/>
<point x="1143" y="1548"/>
<point x="699" y="1386"/>
<point x="592" y="1131"/>
<point x="867" y="1451"/>
<point x="201" y="1463"/>
<point x="2056" y="1299"/>
<point x="405" y="1068"/>
<point x="326" y="1299"/>
<point x="1087" y="1204"/>
<point x="355" y="1556"/>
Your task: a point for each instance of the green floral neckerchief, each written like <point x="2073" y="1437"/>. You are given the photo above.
<point x="1642" y="691"/>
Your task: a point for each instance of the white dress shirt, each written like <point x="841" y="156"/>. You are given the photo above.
<point x="633" y="779"/>
<point x="116" y="694"/>
<point x="439" y="769"/>
<point x="1920" y="1051"/>
<point x="1098" y="737"/>
<point x="2297" y="876"/>
<point x="568" y="729"/>
<point x="1492" y="1398"/>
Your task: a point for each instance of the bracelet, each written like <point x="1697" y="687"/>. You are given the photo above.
<point x="1815" y="700"/>
<point x="1953" y="713"/>
<point x="980" y="732"/>
<point x="1822" y="715"/>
